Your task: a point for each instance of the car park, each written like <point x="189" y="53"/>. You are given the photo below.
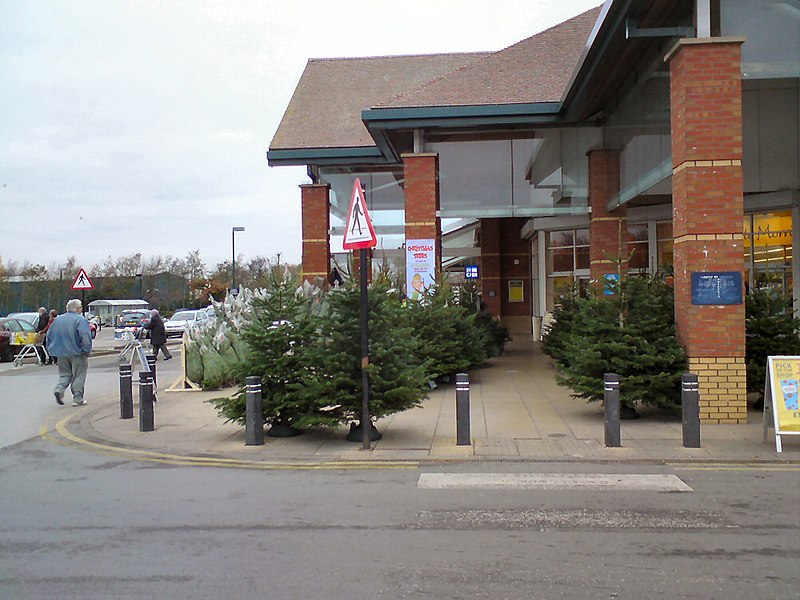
<point x="30" y="317"/>
<point x="184" y="319"/>
<point x="15" y="333"/>
<point x="132" y="321"/>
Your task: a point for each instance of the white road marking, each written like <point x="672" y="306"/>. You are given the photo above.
<point x="552" y="481"/>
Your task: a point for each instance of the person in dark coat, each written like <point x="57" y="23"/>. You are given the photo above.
<point x="41" y="326"/>
<point x="158" y="335"/>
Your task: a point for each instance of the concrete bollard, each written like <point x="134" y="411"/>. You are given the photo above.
<point x="611" y="410"/>
<point x="463" y="437"/>
<point x="254" y="424"/>
<point x="125" y="392"/>
<point x="690" y="409"/>
<point x="146" y="421"/>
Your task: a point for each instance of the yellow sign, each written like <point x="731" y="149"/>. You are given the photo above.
<point x="516" y="291"/>
<point x="770" y="230"/>
<point x="781" y="396"/>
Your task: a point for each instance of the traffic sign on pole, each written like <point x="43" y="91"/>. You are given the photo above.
<point x="359" y="232"/>
<point x="82" y="281"/>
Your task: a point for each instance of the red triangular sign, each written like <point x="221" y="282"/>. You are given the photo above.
<point x="82" y="281"/>
<point x="359" y="232"/>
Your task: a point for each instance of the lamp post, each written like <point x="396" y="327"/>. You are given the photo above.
<point x="233" y="255"/>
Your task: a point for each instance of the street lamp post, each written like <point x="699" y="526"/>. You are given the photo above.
<point x="233" y="255"/>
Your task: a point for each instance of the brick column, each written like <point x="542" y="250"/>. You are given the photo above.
<point x="491" y="268"/>
<point x="707" y="204"/>
<point x="421" y="175"/>
<point x="608" y="231"/>
<point x="316" y="231"/>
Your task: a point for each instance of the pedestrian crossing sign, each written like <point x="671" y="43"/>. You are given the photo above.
<point x="359" y="232"/>
<point x="82" y="281"/>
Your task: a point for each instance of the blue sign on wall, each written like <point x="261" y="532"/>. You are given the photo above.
<point x="471" y="272"/>
<point x="717" y="287"/>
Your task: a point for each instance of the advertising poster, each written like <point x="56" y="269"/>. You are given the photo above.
<point x="420" y="267"/>
<point x="784" y="382"/>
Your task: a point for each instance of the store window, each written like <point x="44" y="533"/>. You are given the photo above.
<point x="768" y="250"/>
<point x="567" y="263"/>
<point x="638" y="247"/>
<point x="664" y="242"/>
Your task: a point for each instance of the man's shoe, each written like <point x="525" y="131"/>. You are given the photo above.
<point x="80" y="402"/>
<point x="168" y="358"/>
<point x="58" y="396"/>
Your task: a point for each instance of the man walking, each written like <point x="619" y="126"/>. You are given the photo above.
<point x="70" y="339"/>
<point x="158" y="335"/>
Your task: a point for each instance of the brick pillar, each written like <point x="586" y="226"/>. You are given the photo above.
<point x="707" y="204"/>
<point x="491" y="268"/>
<point x="421" y="175"/>
<point x="608" y="231"/>
<point x="316" y="231"/>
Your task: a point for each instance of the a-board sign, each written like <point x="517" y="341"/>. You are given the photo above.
<point x="781" y="397"/>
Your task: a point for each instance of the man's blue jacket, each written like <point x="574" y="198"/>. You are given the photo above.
<point x="69" y="335"/>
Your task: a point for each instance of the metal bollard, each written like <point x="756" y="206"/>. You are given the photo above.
<point x="146" y="401"/>
<point x="125" y="392"/>
<point x="690" y="408"/>
<point x="611" y="410"/>
<point x="462" y="410"/>
<point x="254" y="424"/>
<point x="151" y="364"/>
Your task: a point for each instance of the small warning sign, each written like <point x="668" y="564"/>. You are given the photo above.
<point x="359" y="232"/>
<point x="82" y="281"/>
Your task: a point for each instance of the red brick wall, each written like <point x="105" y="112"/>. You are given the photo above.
<point x="505" y="256"/>
<point x="316" y="227"/>
<point x="608" y="231"/>
<point x="707" y="196"/>
<point x="421" y="174"/>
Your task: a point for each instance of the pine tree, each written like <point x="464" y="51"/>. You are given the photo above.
<point x="397" y="377"/>
<point x="631" y="333"/>
<point x="771" y="330"/>
<point x="554" y="339"/>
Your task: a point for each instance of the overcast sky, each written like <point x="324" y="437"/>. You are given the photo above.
<point x="142" y="126"/>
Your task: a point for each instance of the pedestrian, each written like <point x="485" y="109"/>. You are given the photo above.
<point x="53" y="314"/>
<point x="41" y="324"/>
<point x="158" y="335"/>
<point x="70" y="339"/>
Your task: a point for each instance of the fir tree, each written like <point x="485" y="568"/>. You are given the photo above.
<point x="771" y="330"/>
<point x="397" y="377"/>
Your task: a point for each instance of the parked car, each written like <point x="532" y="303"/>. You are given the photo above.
<point x="12" y="332"/>
<point x="30" y="317"/>
<point x="132" y="321"/>
<point x="183" y="319"/>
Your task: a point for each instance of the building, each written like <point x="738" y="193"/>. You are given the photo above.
<point x="637" y="136"/>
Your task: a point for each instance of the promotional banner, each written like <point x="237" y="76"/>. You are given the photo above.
<point x="420" y="267"/>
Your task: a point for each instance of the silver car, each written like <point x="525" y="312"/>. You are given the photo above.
<point x="182" y="320"/>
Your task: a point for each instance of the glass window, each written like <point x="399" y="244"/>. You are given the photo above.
<point x="664" y="242"/>
<point x="768" y="250"/>
<point x="638" y="249"/>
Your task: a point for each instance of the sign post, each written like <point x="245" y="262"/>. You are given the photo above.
<point x="360" y="235"/>
<point x="82" y="283"/>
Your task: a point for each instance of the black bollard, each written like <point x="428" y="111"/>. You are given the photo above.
<point x="151" y="364"/>
<point x="690" y="408"/>
<point x="462" y="410"/>
<point x="611" y="409"/>
<point x="146" y="401"/>
<point x="125" y="392"/>
<point x="254" y="424"/>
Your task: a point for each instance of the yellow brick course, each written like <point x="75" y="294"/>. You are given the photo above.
<point x="723" y="394"/>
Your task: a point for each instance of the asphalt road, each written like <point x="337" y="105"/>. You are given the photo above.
<point x="80" y="525"/>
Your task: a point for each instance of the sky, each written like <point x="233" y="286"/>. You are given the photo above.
<point x="141" y="126"/>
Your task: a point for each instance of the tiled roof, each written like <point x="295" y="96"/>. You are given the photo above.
<point x="536" y="69"/>
<point x="325" y="110"/>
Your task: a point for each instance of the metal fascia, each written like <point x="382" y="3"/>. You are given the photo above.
<point x="322" y="156"/>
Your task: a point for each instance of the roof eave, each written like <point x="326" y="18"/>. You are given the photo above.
<point x="325" y="156"/>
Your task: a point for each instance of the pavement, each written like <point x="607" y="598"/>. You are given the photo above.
<point x="518" y="413"/>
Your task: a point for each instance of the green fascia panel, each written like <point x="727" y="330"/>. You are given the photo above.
<point x="451" y="115"/>
<point x="325" y="156"/>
